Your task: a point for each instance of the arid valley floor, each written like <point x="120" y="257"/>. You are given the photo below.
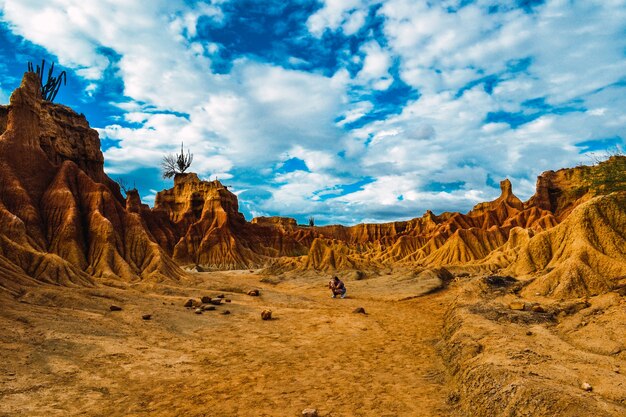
<point x="65" y="353"/>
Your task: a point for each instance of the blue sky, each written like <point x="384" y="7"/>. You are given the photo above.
<point x="346" y="110"/>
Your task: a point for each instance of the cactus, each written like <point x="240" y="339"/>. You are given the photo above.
<point x="50" y="89"/>
<point x="176" y="164"/>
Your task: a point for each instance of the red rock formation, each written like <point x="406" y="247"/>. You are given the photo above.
<point x="63" y="220"/>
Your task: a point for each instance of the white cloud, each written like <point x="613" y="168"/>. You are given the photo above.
<point x="375" y="70"/>
<point x="334" y="14"/>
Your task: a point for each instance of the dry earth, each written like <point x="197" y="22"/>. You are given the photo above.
<point x="65" y="353"/>
<point x="453" y="351"/>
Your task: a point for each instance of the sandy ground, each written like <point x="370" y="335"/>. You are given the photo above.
<point x="64" y="353"/>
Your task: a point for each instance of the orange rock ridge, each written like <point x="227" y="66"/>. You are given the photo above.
<point x="64" y="221"/>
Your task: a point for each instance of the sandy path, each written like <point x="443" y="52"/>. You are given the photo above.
<point x="79" y="359"/>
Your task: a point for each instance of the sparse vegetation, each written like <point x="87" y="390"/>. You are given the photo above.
<point x="50" y="89"/>
<point x="124" y="185"/>
<point x="311" y="221"/>
<point x="608" y="173"/>
<point x="176" y="164"/>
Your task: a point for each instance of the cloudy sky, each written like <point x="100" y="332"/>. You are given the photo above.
<point x="345" y="110"/>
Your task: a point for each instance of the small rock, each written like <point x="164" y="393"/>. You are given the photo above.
<point x="220" y="296"/>
<point x="453" y="398"/>
<point x="228" y="300"/>
<point x="517" y="305"/>
<point x="198" y="311"/>
<point x="188" y="303"/>
<point x="146" y="316"/>
<point x="254" y="293"/>
<point x="309" y="412"/>
<point x="225" y="312"/>
<point x="208" y="308"/>
<point x="529" y="333"/>
<point x="616" y="370"/>
<point x="359" y="310"/>
<point x="216" y="301"/>
<point x="586" y="386"/>
<point x="266" y="314"/>
<point x="115" y="308"/>
<point x="538" y="309"/>
<point x="206" y="299"/>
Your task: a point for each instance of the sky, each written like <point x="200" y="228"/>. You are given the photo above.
<point x="349" y="111"/>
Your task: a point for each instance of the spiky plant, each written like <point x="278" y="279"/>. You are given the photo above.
<point x="125" y="186"/>
<point x="311" y="221"/>
<point x="176" y="164"/>
<point x="50" y="89"/>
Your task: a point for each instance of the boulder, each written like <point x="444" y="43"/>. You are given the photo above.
<point x="359" y="310"/>
<point x="310" y="412"/>
<point x="189" y="303"/>
<point x="208" y="308"/>
<point x="537" y="309"/>
<point x="254" y="293"/>
<point x="266" y="314"/>
<point x="205" y="299"/>
<point x="115" y="308"/>
<point x="517" y="305"/>
<point x="198" y="311"/>
<point x="215" y="301"/>
<point x="226" y="312"/>
<point x="146" y="316"/>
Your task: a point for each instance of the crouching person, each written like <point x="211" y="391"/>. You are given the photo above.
<point x="337" y="287"/>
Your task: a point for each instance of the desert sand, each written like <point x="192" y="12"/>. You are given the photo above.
<point x="66" y="353"/>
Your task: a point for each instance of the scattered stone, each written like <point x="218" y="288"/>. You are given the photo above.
<point x="616" y="369"/>
<point x="146" y="316"/>
<point x="225" y="312"/>
<point x="198" y="311"/>
<point x="266" y="314"/>
<point x="208" y="308"/>
<point x="575" y="307"/>
<point x="453" y="398"/>
<point x="115" y="308"/>
<point x="254" y="293"/>
<point x="586" y="386"/>
<point x="359" y="310"/>
<point x="310" y="412"/>
<point x="529" y="333"/>
<point x="517" y="305"/>
<point x="206" y="299"/>
<point x="188" y="303"/>
<point x="498" y="281"/>
<point x="538" y="309"/>
<point x="228" y="300"/>
<point x="215" y="301"/>
<point x="220" y="296"/>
